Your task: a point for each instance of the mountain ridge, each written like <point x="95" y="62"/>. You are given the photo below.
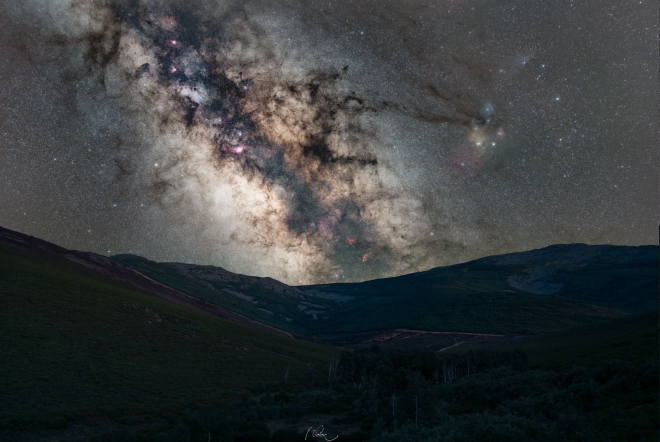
<point x="130" y="277"/>
<point x="531" y="292"/>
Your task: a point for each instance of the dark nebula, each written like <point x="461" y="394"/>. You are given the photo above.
<point x="325" y="141"/>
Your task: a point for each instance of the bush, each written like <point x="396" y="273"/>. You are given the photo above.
<point x="287" y="436"/>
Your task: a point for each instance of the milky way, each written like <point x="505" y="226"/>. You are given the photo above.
<point x="328" y="141"/>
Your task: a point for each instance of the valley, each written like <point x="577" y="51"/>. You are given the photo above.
<point x="126" y="349"/>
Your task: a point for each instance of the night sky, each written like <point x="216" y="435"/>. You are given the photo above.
<point x="328" y="141"/>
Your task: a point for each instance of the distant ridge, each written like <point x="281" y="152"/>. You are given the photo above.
<point x="534" y="292"/>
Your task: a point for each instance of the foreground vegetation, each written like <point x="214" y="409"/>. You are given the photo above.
<point x="422" y="396"/>
<point x="598" y="384"/>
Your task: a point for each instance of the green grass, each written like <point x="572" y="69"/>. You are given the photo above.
<point x="463" y="311"/>
<point x="633" y="338"/>
<point x="214" y="291"/>
<point x="75" y="345"/>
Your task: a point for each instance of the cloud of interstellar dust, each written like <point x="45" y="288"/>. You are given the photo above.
<point x="267" y="157"/>
<point x="271" y="157"/>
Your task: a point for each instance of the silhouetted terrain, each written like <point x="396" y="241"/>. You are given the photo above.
<point x="84" y="339"/>
<point x="538" y="291"/>
<point x="503" y="348"/>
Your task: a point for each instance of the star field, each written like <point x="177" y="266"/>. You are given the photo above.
<point x="328" y="141"/>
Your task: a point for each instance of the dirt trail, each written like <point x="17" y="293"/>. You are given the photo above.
<point x="412" y="339"/>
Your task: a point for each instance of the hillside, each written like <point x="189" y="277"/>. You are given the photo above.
<point x="621" y="277"/>
<point x="78" y="345"/>
<point x="129" y="349"/>
<point x="263" y="299"/>
<point x="633" y="338"/>
<point x="533" y="292"/>
<point x="554" y="288"/>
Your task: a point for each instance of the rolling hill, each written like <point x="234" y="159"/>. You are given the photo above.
<point x="94" y="348"/>
<point x="632" y="338"/>
<point x="534" y="292"/>
<point x="543" y="290"/>
<point x="84" y="338"/>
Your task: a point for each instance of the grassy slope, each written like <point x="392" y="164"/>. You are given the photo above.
<point x="449" y="299"/>
<point x="634" y="338"/>
<point x="452" y="299"/>
<point x="502" y="313"/>
<point x="280" y="306"/>
<point x="74" y="345"/>
<point x="631" y="287"/>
